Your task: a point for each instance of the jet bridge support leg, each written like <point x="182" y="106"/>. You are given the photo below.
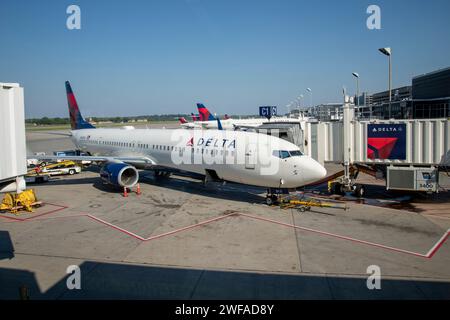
<point x="347" y="182"/>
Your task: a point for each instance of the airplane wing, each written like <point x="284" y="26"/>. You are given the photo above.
<point x="129" y="160"/>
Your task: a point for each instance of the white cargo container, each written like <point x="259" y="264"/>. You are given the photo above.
<point x="13" y="164"/>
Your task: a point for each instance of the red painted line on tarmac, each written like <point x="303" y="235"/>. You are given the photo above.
<point x="159" y="235"/>
<point x="116" y="227"/>
<point x="435" y="216"/>
<point x="60" y="208"/>
<point x="428" y="255"/>
<point x="191" y="226"/>
<point x="438" y="245"/>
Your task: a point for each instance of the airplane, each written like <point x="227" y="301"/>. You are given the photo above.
<point x="241" y="157"/>
<point x="233" y="124"/>
<point x="188" y="125"/>
<point x="195" y="117"/>
<point x="206" y="120"/>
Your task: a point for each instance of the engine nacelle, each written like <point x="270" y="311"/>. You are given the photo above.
<point x="119" y="174"/>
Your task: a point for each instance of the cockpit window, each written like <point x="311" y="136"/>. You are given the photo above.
<point x="296" y="153"/>
<point x="281" y="154"/>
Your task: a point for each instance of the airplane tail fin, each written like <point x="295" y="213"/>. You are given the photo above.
<point x="205" y="115"/>
<point x="182" y="120"/>
<point x="76" y="119"/>
<point x="195" y="117"/>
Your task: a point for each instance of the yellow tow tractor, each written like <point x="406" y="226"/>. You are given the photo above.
<point x="303" y="203"/>
<point x="14" y="202"/>
<point x="61" y="168"/>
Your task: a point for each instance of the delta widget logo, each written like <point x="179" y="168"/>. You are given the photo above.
<point x="386" y="141"/>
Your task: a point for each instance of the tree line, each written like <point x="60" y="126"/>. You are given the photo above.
<point x="152" y="118"/>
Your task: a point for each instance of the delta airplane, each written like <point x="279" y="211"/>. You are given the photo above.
<point x="241" y="157"/>
<point x="208" y="121"/>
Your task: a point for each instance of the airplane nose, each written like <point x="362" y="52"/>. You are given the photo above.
<point x="320" y="171"/>
<point x="316" y="172"/>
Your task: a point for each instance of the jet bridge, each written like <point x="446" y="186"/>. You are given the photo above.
<point x="408" y="153"/>
<point x="13" y="164"/>
<point x="387" y="142"/>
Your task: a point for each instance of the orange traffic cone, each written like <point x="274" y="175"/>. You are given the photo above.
<point x="125" y="192"/>
<point x="138" y="189"/>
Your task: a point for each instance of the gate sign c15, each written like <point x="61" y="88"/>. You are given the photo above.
<point x="268" y="111"/>
<point x="386" y="141"/>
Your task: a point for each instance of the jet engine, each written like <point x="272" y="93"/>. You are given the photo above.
<point x="119" y="174"/>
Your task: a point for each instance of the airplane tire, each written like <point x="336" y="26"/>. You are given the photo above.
<point x="271" y="200"/>
<point x="360" y="191"/>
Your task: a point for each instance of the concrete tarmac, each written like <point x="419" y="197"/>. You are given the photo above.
<point x="180" y="240"/>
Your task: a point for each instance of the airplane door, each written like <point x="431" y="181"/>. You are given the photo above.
<point x="250" y="157"/>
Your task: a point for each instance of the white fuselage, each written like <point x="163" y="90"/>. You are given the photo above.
<point x="231" y="124"/>
<point x="241" y="157"/>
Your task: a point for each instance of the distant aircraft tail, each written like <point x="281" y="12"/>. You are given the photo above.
<point x="182" y="120"/>
<point x="226" y="117"/>
<point x="204" y="113"/>
<point x="76" y="119"/>
<point x="195" y="117"/>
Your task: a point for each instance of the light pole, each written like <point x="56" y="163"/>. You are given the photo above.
<point x="310" y="96"/>
<point x="388" y="52"/>
<point x="299" y="98"/>
<point x="356" y="75"/>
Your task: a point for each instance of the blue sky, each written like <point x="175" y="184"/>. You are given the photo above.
<point x="155" y="57"/>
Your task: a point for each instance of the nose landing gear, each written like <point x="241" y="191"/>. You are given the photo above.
<point x="273" y="195"/>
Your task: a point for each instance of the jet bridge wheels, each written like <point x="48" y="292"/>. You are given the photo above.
<point x="360" y="191"/>
<point x="339" y="188"/>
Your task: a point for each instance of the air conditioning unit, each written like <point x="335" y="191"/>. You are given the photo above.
<point x="412" y="179"/>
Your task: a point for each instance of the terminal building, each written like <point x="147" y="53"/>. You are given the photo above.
<point x="428" y="97"/>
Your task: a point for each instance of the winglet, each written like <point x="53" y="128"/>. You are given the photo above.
<point x="219" y="124"/>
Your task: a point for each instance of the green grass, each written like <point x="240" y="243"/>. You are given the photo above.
<point x="106" y="125"/>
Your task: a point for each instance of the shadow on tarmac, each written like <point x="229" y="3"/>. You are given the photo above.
<point x="122" y="281"/>
<point x="6" y="246"/>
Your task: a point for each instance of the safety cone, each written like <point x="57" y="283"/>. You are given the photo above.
<point x="138" y="189"/>
<point x="125" y="192"/>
